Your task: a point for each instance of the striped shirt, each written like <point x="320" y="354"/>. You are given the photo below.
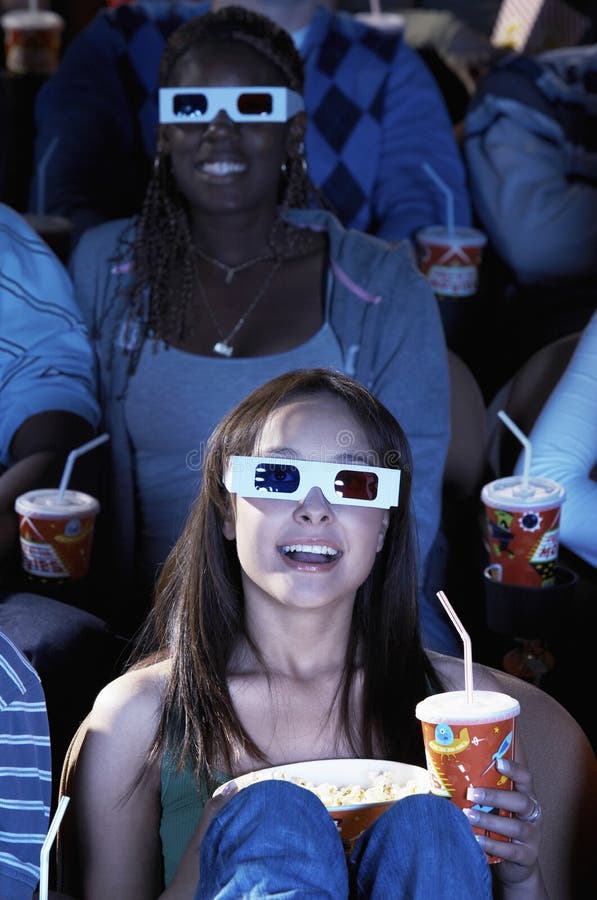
<point x="25" y="773"/>
<point x="46" y="360"/>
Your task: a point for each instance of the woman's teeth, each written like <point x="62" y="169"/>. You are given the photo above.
<point x="223" y="168"/>
<point x="308" y="551"/>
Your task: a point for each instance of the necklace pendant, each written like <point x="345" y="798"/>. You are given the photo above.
<point x="223" y="349"/>
<point x="230" y="273"/>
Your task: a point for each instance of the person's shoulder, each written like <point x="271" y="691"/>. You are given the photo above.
<point x="386" y="266"/>
<point x="120" y="729"/>
<point x="133" y="701"/>
<point x="100" y="240"/>
<point x="14" y="229"/>
<point x="17" y="676"/>
<point x="326" y="221"/>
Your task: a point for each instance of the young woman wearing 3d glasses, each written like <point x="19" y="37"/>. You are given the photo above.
<point x="285" y="627"/>
<point x="224" y="280"/>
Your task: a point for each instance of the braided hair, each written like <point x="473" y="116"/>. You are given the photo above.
<point x="162" y="243"/>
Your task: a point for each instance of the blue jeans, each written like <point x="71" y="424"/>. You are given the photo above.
<point x="275" y="839"/>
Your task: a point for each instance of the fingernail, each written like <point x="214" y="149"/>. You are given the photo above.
<point x="229" y="788"/>
<point x="480" y="839"/>
<point x="503" y="765"/>
<point x="475" y="794"/>
<point x="471" y="814"/>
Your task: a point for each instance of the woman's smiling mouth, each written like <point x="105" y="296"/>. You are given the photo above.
<point x="221" y="168"/>
<point x="310" y="553"/>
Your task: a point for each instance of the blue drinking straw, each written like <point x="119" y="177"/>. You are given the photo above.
<point x="72" y="456"/>
<point x="448" y="194"/>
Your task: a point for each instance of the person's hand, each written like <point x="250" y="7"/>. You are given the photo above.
<point x="210" y="811"/>
<point x="184" y="883"/>
<point x="520" y="854"/>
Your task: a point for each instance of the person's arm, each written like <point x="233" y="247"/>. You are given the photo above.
<point x="95" y="164"/>
<point x="411" y="377"/>
<point x="539" y="217"/>
<point x="118" y="831"/>
<point x="185" y="881"/>
<point x="48" y="401"/>
<point x="39" y="450"/>
<point x="564" y="445"/>
<point x="25" y="786"/>
<point x="416" y="128"/>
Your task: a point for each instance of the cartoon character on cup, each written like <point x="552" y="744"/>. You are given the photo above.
<point x="500" y="532"/>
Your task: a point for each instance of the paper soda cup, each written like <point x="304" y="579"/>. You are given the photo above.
<point x="523" y="529"/>
<point x="463" y="741"/>
<point x="32" y="41"/>
<point x="451" y="260"/>
<point x="56" y="537"/>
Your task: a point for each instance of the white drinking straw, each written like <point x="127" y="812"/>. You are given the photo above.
<point x="525" y="443"/>
<point x="41" y="175"/>
<point x="44" y="854"/>
<point x="446" y="191"/>
<point x="468" y="653"/>
<point x="375" y="7"/>
<point x="72" y="457"/>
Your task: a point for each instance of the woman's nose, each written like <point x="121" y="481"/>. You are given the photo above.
<point x="314" y="507"/>
<point x="220" y="121"/>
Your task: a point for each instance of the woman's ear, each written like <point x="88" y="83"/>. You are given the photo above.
<point x="229" y="524"/>
<point x="295" y="141"/>
<point x="382" y="531"/>
<point x="163" y="140"/>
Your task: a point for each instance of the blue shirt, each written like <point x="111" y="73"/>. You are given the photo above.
<point x="46" y="360"/>
<point x="25" y="773"/>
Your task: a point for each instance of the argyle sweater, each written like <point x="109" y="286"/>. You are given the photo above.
<point x="375" y="115"/>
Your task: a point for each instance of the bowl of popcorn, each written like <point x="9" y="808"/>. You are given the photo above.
<point x="354" y="791"/>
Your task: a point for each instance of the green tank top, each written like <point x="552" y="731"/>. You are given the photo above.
<point x="181" y="812"/>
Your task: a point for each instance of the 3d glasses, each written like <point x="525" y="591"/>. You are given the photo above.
<point x="291" y="479"/>
<point x="241" y="104"/>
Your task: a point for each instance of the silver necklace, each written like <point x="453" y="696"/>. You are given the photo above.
<point x="230" y="271"/>
<point x="223" y="347"/>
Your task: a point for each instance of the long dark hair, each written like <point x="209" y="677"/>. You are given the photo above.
<point x="198" y="614"/>
<point x="162" y="244"/>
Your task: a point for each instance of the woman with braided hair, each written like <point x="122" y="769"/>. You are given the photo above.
<point x="224" y="280"/>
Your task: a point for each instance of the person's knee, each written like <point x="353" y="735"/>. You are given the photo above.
<point x="282" y="805"/>
<point x="276" y="838"/>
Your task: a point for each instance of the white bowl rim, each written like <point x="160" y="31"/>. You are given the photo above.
<point x="359" y="769"/>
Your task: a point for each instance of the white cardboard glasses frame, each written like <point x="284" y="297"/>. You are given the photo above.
<point x="280" y="104"/>
<point x="274" y="478"/>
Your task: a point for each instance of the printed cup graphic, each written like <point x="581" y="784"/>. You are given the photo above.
<point x="56" y="537"/>
<point x="463" y="742"/>
<point x="451" y="260"/>
<point x="523" y="529"/>
<point x="32" y="41"/>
